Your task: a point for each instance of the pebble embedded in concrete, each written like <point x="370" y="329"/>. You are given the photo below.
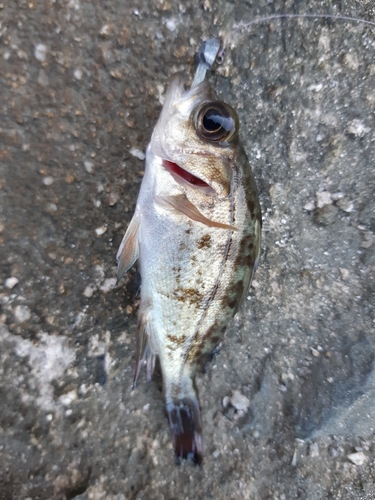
<point x="323" y="198"/>
<point x="40" y="52"/>
<point x="239" y="401"/>
<point x="358" y="458"/>
<point x="137" y="153"/>
<point x="11" y="282"/>
<point x="22" y="313"/>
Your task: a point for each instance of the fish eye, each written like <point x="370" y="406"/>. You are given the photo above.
<point x="216" y="121"/>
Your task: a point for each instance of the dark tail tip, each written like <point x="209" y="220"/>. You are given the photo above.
<point x="186" y="428"/>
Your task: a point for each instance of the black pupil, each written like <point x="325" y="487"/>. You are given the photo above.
<point x="213" y="120"/>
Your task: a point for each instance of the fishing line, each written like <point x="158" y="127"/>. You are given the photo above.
<point x="271" y="17"/>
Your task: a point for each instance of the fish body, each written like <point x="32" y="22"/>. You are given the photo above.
<point x="196" y="231"/>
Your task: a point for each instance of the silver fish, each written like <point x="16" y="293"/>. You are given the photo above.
<point x="196" y="231"/>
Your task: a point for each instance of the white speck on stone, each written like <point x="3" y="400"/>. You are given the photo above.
<point x="357" y="128"/>
<point x="346" y="205"/>
<point x="49" y="417"/>
<point x="11" y="282"/>
<point x="310" y="206"/>
<point x="161" y="97"/>
<point x="21" y="54"/>
<point x="6" y="55"/>
<point x="108" y="363"/>
<point x="293" y="463"/>
<point x="146" y="408"/>
<point x="337" y="196"/>
<point x="351" y="61"/>
<point x="68" y="398"/>
<point x="43" y="78"/>
<point x="239" y="401"/>
<point x="22" y="314"/>
<point x="314" y="450"/>
<point x="105" y="30"/>
<point x="82" y="389"/>
<point x="226" y="401"/>
<point x="97" y="203"/>
<point x="368" y="240"/>
<point x="88" y="291"/>
<point x="108" y="285"/>
<point x="358" y="458"/>
<point x="68" y="412"/>
<point x="99" y="273"/>
<point x="323" y="198"/>
<point x="78" y="73"/>
<point x="89" y="166"/>
<point x="51" y="207"/>
<point x="113" y="198"/>
<point x="100" y="230"/>
<point x="40" y="52"/>
<point x="47" y="181"/>
<point x="170" y="24"/>
<point x="344" y="273"/>
<point x="315" y="87"/>
<point x="96" y="348"/>
<point x="74" y="4"/>
<point x="314" y="352"/>
<point x="137" y="153"/>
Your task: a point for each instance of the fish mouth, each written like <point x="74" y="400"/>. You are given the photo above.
<point x="183" y="176"/>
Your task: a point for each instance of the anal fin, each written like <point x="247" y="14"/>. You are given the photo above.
<point x="143" y="352"/>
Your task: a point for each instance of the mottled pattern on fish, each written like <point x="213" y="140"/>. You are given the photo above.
<point x="196" y="231"/>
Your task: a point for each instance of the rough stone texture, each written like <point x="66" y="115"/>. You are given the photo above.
<point x="81" y="83"/>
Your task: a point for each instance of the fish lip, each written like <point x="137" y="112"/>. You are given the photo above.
<point x="183" y="176"/>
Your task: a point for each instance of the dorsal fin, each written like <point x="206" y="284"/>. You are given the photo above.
<point x="129" y="249"/>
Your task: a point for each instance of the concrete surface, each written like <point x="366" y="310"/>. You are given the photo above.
<point x="81" y="86"/>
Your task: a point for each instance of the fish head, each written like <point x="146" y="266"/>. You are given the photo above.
<point x="195" y="137"/>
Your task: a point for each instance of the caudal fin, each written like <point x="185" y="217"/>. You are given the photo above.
<point x="185" y="425"/>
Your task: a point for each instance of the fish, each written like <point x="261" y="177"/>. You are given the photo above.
<point x="196" y="234"/>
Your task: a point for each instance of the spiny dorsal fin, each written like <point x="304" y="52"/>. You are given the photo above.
<point x="129" y="249"/>
<point x="184" y="206"/>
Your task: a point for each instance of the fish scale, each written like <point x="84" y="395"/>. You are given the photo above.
<point x="196" y="231"/>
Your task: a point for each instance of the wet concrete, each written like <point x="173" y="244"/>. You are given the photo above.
<point x="81" y="87"/>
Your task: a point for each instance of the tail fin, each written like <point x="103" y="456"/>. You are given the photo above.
<point x="185" y="425"/>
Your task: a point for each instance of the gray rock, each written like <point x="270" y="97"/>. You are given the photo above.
<point x="81" y="89"/>
<point x="326" y="215"/>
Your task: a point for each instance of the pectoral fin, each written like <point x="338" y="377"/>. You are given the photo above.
<point x="184" y="206"/>
<point x="129" y="249"/>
